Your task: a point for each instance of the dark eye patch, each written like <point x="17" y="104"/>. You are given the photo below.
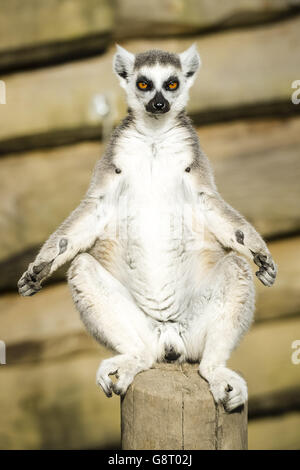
<point x="171" y="84"/>
<point x="143" y="79"/>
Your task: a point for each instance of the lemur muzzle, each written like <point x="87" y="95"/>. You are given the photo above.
<point x="158" y="104"/>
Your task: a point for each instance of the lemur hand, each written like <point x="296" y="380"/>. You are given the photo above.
<point x="39" y="270"/>
<point x="30" y="282"/>
<point x="267" y="268"/>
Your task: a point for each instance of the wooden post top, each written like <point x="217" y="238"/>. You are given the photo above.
<point x="170" y="407"/>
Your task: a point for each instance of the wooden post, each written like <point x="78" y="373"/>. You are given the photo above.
<point x="170" y="407"/>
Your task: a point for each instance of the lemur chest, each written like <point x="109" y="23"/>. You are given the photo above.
<point x="155" y="212"/>
<point x="152" y="170"/>
<point x="156" y="198"/>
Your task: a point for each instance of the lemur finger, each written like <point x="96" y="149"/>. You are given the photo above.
<point x="269" y="278"/>
<point x="26" y="277"/>
<point x="32" y="285"/>
<point x="22" y="281"/>
<point x="265" y="278"/>
<point x="259" y="259"/>
<point x="27" y="291"/>
<point x="260" y="275"/>
<point x="271" y="272"/>
<point x="270" y="269"/>
<point x="22" y="290"/>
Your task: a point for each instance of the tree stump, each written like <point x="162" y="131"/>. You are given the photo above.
<point x="170" y="407"/>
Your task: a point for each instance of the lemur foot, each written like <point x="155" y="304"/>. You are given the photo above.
<point x="228" y="387"/>
<point x="124" y="368"/>
<point x="267" y="268"/>
<point x="30" y="282"/>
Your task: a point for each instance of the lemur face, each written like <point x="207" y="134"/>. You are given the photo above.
<point x="156" y="82"/>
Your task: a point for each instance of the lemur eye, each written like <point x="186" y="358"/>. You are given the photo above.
<point x="172" y="85"/>
<point x="142" y="85"/>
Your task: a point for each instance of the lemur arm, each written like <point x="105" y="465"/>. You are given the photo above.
<point x="77" y="233"/>
<point x="233" y="231"/>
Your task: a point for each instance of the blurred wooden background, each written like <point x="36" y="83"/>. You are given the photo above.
<point x="55" y="59"/>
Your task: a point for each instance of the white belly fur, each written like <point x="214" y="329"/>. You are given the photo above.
<point x="157" y="255"/>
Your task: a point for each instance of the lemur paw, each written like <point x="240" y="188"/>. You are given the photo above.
<point x="30" y="282"/>
<point x="267" y="268"/>
<point x="124" y="373"/>
<point x="229" y="388"/>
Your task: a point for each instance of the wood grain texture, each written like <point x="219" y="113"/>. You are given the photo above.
<point x="35" y="32"/>
<point x="169" y="17"/>
<point x="170" y="407"/>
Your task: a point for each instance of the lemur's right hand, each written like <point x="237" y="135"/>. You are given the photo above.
<point x="30" y="282"/>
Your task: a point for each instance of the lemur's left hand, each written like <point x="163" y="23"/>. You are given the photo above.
<point x="267" y="268"/>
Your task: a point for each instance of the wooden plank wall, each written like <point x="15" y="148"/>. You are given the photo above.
<point x="55" y="57"/>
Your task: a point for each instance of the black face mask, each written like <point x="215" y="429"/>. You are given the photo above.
<point x="158" y="104"/>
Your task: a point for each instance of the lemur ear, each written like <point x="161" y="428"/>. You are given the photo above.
<point x="190" y="61"/>
<point x="123" y="62"/>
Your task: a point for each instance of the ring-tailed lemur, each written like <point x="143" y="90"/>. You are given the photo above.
<point x="156" y="272"/>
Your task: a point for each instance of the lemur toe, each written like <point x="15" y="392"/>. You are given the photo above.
<point x="106" y="384"/>
<point x="228" y="388"/>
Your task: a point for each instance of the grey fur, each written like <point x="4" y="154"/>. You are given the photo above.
<point x="106" y="166"/>
<point x="156" y="56"/>
<point x="120" y="68"/>
<point x="200" y="164"/>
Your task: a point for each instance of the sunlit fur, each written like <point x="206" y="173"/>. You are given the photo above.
<point x="159" y="270"/>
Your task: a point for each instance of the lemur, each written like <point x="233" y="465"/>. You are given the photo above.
<point x="158" y="270"/>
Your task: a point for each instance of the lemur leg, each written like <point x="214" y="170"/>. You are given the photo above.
<point x="111" y="316"/>
<point x="216" y="332"/>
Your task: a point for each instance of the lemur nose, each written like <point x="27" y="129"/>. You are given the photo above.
<point x="159" y="105"/>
